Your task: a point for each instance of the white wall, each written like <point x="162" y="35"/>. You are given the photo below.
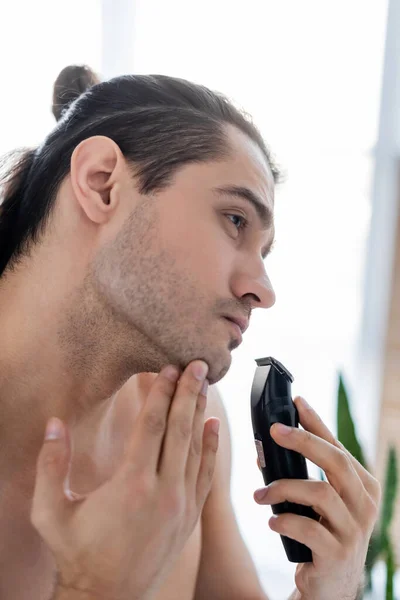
<point x="37" y="39"/>
<point x="381" y="241"/>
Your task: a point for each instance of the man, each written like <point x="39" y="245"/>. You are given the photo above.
<point x="133" y="240"/>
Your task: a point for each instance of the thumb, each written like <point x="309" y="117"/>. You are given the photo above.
<point x="49" y="501"/>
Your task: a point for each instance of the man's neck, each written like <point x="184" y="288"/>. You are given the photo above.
<point x="58" y="358"/>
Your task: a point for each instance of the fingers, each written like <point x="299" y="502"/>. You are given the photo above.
<point x="148" y="434"/>
<point x="311" y="421"/>
<point x="309" y="532"/>
<point x="335" y="462"/>
<point x="208" y="459"/>
<point x="319" y="495"/>
<point x="49" y="500"/>
<point x="196" y="446"/>
<point x="178" y="436"/>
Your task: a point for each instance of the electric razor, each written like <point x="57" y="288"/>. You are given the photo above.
<point x="271" y="402"/>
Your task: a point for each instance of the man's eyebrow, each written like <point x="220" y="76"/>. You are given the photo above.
<point x="268" y="249"/>
<point x="263" y="211"/>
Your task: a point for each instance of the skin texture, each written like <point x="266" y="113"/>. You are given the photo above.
<point x="122" y="284"/>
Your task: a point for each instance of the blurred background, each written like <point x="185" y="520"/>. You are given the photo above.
<point x="321" y="80"/>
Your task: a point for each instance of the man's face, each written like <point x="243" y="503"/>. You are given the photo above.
<point x="183" y="262"/>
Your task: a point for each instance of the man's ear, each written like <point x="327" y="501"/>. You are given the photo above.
<point x="97" y="166"/>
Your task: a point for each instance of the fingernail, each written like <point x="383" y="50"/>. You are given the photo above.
<point x="204" y="389"/>
<point x="199" y="370"/>
<point x="72" y="496"/>
<point x="273" y="521"/>
<point x="215" y="426"/>
<point x="54" y="429"/>
<point x="282" y="429"/>
<point x="260" y="494"/>
<point x="305" y="403"/>
<point x="171" y="373"/>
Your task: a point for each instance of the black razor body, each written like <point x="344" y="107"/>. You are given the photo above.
<point x="271" y="402"/>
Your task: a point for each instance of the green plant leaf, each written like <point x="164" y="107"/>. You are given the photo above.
<point x="345" y="425"/>
<point x="389" y="497"/>
<point x="374" y="551"/>
<point x="390" y="571"/>
<point x="380" y="543"/>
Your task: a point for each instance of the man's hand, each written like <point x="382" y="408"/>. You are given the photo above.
<point x="348" y="504"/>
<point x="121" y="540"/>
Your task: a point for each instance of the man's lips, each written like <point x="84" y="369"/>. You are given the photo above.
<point x="241" y="322"/>
<point x="240" y="326"/>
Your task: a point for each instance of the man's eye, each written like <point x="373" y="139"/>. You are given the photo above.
<point x="239" y="221"/>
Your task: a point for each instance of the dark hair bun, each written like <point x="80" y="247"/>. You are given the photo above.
<point x="71" y="82"/>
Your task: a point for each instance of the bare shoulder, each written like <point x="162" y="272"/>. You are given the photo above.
<point x="226" y="567"/>
<point x="222" y="476"/>
<point x="215" y="405"/>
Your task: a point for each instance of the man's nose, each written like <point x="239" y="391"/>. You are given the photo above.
<point x="255" y="286"/>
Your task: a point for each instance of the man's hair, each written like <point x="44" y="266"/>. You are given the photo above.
<point x="71" y="82"/>
<point x="159" y="123"/>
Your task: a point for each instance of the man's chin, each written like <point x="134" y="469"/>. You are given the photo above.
<point x="218" y="362"/>
<point x="217" y="369"/>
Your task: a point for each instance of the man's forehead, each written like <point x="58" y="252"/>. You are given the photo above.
<point x="250" y="167"/>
